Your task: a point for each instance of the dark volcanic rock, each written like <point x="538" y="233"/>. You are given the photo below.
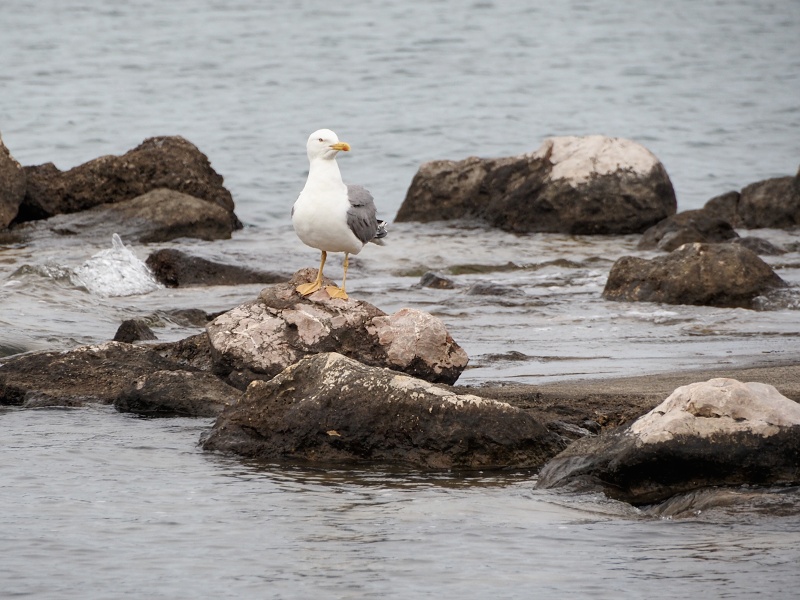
<point x="436" y="281"/>
<point x="84" y="375"/>
<point x="331" y="409"/>
<point x="259" y="339"/>
<point x="759" y="246"/>
<point x="160" y="162"/>
<point x="177" y="394"/>
<point x="719" y="432"/>
<point x="589" y="185"/>
<point x="134" y="330"/>
<point x="12" y="186"/>
<point x="174" y="268"/>
<point x="686" y="228"/>
<point x="726" y="275"/>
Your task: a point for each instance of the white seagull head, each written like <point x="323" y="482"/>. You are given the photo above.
<point x="325" y="144"/>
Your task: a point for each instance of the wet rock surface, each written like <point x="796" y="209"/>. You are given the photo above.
<point x="134" y="330"/>
<point x="725" y="275"/>
<point x="685" y="228"/>
<point x="160" y="162"/>
<point x="771" y="203"/>
<point x="175" y="268"/>
<point x="331" y="409"/>
<point x="12" y="186"/>
<point x="259" y="339"/>
<point x="177" y="394"/>
<point x="577" y="185"/>
<point x="718" y="432"/>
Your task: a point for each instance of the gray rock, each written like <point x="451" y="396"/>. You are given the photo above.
<point x="134" y="330"/>
<point x="174" y="268"/>
<point x="685" y="228"/>
<point x="719" y="432"/>
<point x="259" y="339"/>
<point x="588" y="185"/>
<point x="177" y="394"/>
<point x="759" y="245"/>
<point x="159" y="162"/>
<point x="725" y="275"/>
<point x="330" y="409"/>
<point x="12" y="186"/>
<point x="436" y="281"/>
<point x="771" y="203"/>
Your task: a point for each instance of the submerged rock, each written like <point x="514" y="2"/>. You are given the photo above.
<point x="330" y="409"/>
<point x="160" y="162"/>
<point x="174" y="268"/>
<point x="12" y="186"/>
<point x="577" y="185"/>
<point x="88" y="374"/>
<point x="685" y="228"/>
<point x="177" y="394"/>
<point x="725" y="275"/>
<point x="259" y="339"/>
<point x="718" y="432"/>
<point x="134" y="330"/>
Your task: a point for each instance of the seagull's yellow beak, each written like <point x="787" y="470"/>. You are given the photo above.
<point x="343" y="146"/>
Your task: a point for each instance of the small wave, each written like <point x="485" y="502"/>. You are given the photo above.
<point x="115" y="272"/>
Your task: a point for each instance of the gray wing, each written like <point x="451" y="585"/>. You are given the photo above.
<point x="362" y="215"/>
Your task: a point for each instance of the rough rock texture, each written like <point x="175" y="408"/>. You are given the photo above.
<point x="759" y="245"/>
<point x="134" y="330"/>
<point x="726" y="275"/>
<point x="259" y="339"/>
<point x="174" y="268"/>
<point x="177" y="394"/>
<point x="12" y="186"/>
<point x="331" y="409"/>
<point x="718" y="432"/>
<point x="578" y="185"/>
<point x="686" y="228"/>
<point x="87" y="374"/>
<point x="160" y="162"/>
<point x="773" y="203"/>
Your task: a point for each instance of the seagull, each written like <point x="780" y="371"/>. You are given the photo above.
<point x="330" y="215"/>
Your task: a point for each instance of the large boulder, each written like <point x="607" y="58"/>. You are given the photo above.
<point x="577" y="185"/>
<point x="725" y="275"/>
<point x="771" y="203"/>
<point x="160" y="162"/>
<point x="331" y="409"/>
<point x="176" y="394"/>
<point x="12" y="186"/>
<point x="88" y="374"/>
<point x="685" y="228"/>
<point x="175" y="268"/>
<point x="259" y="339"/>
<point x="718" y="432"/>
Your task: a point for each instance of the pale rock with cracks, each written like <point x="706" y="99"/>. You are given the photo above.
<point x="718" y="406"/>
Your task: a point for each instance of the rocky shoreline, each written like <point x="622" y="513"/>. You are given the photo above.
<point x="331" y="381"/>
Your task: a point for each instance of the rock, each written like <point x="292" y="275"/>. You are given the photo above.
<point x="191" y="354"/>
<point x="156" y="216"/>
<point x="177" y="394"/>
<point x="259" y="339"/>
<point x="134" y="330"/>
<point x="759" y="245"/>
<point x="436" y="281"/>
<point x="331" y="409"/>
<point x="686" y="228"/>
<point x="725" y="275"/>
<point x="12" y="186"/>
<point x="159" y="162"/>
<point x="88" y="374"/>
<point x="771" y="203"/>
<point x="174" y="268"/>
<point x="716" y="433"/>
<point x="576" y="185"/>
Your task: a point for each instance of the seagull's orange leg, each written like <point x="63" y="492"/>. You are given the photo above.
<point x="309" y="288"/>
<point x="338" y="292"/>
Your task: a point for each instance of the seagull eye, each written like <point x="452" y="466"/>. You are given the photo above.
<point x="321" y="140"/>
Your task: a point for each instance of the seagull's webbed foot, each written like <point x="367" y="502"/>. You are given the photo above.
<point x="336" y="292"/>
<point x="306" y="289"/>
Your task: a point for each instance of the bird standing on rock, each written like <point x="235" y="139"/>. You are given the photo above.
<point x="330" y="215"/>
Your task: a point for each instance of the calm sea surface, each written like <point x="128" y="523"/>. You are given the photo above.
<point x="102" y="505"/>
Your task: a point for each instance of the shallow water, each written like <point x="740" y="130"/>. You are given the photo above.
<point x="103" y="505"/>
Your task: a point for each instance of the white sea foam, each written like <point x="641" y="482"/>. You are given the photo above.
<point x="115" y="272"/>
